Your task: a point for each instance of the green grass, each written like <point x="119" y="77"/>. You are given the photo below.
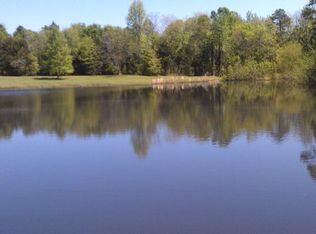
<point x="40" y="82"/>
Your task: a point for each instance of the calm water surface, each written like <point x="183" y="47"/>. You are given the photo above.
<point x="240" y="158"/>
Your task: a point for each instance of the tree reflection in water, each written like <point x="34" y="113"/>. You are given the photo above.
<point x="216" y="114"/>
<point x="309" y="158"/>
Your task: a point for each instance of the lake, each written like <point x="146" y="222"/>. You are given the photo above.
<point x="234" y="158"/>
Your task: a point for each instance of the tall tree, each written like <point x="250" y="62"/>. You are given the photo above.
<point x="85" y="60"/>
<point x="282" y="21"/>
<point x="57" y="57"/>
<point x="24" y="62"/>
<point x="145" y="59"/>
<point x="223" y="23"/>
<point x="173" y="49"/>
<point x="149" y="62"/>
<point x="83" y="50"/>
<point x="253" y="41"/>
<point x="309" y="16"/>
<point x="203" y="50"/>
<point x="137" y="19"/>
<point x="118" y="50"/>
<point x="291" y="61"/>
<point x="16" y="57"/>
<point x="312" y="19"/>
<point x="3" y="38"/>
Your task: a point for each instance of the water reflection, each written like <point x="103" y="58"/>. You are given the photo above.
<point x="215" y="114"/>
<point x="309" y="158"/>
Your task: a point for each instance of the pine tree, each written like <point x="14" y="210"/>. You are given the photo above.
<point x="85" y="61"/>
<point x="149" y="62"/>
<point x="283" y="22"/>
<point x="57" y="58"/>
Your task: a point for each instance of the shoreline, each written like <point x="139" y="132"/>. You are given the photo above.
<point x="45" y="82"/>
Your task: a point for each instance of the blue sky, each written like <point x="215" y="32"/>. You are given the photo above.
<point x="33" y="14"/>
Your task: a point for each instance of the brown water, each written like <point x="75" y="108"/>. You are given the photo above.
<point x="240" y="158"/>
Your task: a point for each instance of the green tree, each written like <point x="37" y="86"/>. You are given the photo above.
<point x="118" y="50"/>
<point x="57" y="57"/>
<point x="85" y="60"/>
<point x="3" y="33"/>
<point x="149" y="63"/>
<point x="145" y="57"/>
<point x="223" y="23"/>
<point x="16" y="57"/>
<point x="292" y="63"/>
<point x="74" y="34"/>
<point x="307" y="37"/>
<point x="83" y="50"/>
<point x="3" y="40"/>
<point x="282" y="21"/>
<point x="94" y="31"/>
<point x="307" y="29"/>
<point x="252" y="50"/>
<point x="29" y="37"/>
<point x="24" y="63"/>
<point x="174" y="44"/>
<point x="201" y="44"/>
<point x="40" y="46"/>
<point x="137" y="18"/>
<point x="253" y="41"/>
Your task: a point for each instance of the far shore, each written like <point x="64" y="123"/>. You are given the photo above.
<point x="44" y="82"/>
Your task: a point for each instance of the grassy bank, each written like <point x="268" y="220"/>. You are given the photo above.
<point x="28" y="82"/>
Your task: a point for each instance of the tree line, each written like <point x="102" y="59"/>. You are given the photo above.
<point x="221" y="44"/>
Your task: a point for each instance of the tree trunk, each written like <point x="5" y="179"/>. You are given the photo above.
<point x="212" y="60"/>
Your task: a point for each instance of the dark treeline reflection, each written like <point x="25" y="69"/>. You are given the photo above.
<point x="309" y="158"/>
<point x="216" y="114"/>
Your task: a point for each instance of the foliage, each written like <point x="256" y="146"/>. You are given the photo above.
<point x="292" y="63"/>
<point x="137" y="19"/>
<point x="149" y="63"/>
<point x="250" y="70"/>
<point x="311" y="73"/>
<point x="57" y="58"/>
<point x="223" y="23"/>
<point x="282" y="21"/>
<point x="174" y="44"/>
<point x="3" y="33"/>
<point x="201" y="46"/>
<point x="119" y="48"/>
<point x="85" y="60"/>
<point x="253" y="41"/>
<point x="16" y="57"/>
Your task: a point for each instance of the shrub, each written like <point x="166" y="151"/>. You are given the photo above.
<point x="292" y="63"/>
<point x="250" y="70"/>
<point x="311" y="73"/>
